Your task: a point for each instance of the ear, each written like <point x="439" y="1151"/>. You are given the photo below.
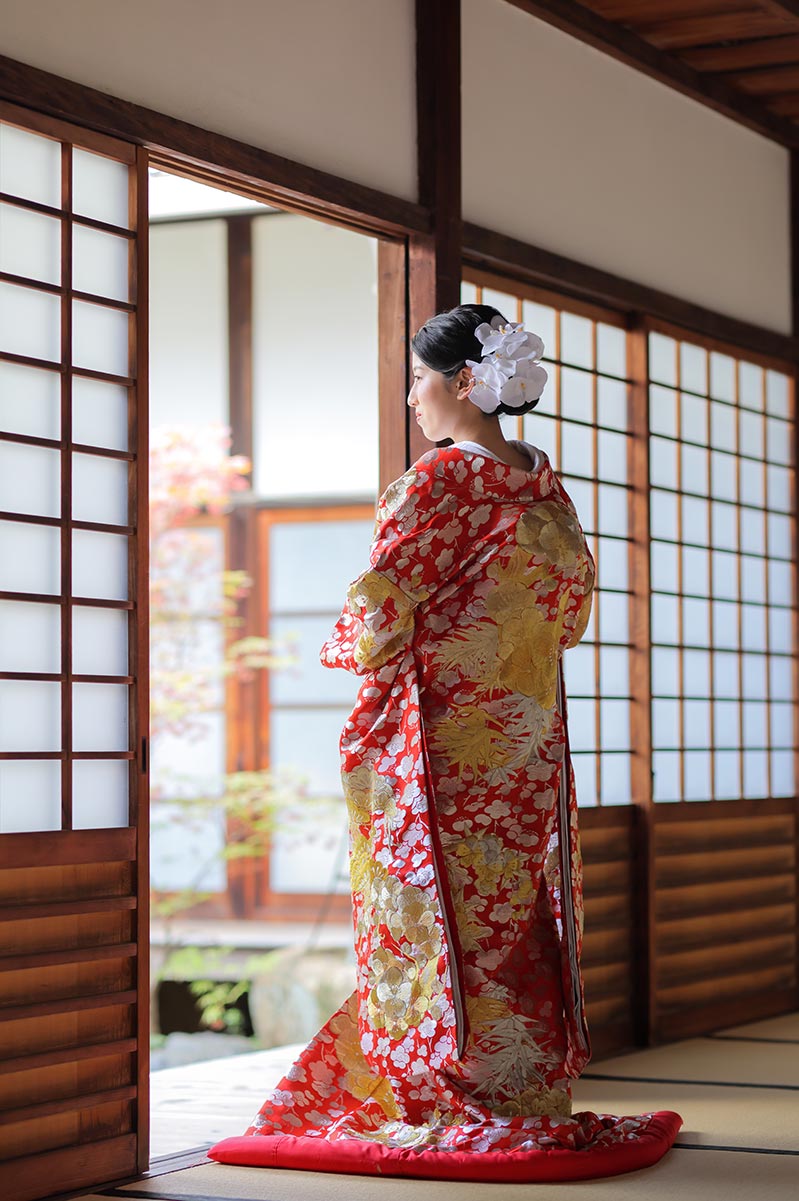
<point x="466" y="382"/>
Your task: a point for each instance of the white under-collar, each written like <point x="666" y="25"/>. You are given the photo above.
<point x="536" y="455"/>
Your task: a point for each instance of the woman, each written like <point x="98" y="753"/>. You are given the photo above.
<point x="454" y="1056"/>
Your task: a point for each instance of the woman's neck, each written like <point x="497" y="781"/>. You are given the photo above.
<point x="485" y="432"/>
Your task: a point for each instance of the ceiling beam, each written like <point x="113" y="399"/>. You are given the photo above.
<point x="781" y="8"/>
<point x="491" y="251"/>
<point x="631" y="49"/>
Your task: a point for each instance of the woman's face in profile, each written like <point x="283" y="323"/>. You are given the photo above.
<point x="435" y="400"/>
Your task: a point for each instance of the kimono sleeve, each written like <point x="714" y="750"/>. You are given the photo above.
<point x="579" y="623"/>
<point x="578" y="574"/>
<point x="415" y="532"/>
<point x="581" y="595"/>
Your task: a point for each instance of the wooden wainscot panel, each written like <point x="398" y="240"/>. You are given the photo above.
<point x="67" y="980"/>
<point x="736" y="957"/>
<point x="607" y="963"/>
<point x="84" y="1120"/>
<point x="28" y="1176"/>
<point x="726" y="916"/>
<point x="74" y="1080"/>
<point x="723" y="863"/>
<point x="719" y="990"/>
<point x="60" y="883"/>
<point x="676" y="837"/>
<point x="726" y="896"/>
<point x="38" y="1034"/>
<point x="728" y="925"/>
<point x="68" y="847"/>
<point x="65" y="932"/>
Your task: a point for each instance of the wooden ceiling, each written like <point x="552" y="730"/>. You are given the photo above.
<point x="740" y="57"/>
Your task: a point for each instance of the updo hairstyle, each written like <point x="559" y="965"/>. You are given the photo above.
<point x="446" y="341"/>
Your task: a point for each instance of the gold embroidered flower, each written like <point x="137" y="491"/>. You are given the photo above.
<point x="550" y="530"/>
<point x="410" y="916"/>
<point x="399" y="993"/>
<point x="395" y="495"/>
<point x="414" y="921"/>
<point x="489" y="862"/>
<point x="367" y="791"/>
<point x="536" y="1102"/>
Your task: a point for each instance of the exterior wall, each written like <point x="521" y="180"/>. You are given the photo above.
<point x="331" y="85"/>
<point x="573" y="151"/>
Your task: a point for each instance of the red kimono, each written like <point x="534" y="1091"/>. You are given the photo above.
<point x="455" y="1055"/>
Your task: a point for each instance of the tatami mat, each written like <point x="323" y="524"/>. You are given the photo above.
<point x="738" y="1093"/>
<point x="709" y="1061"/>
<point x="689" y="1175"/>
<point x="767" y="1119"/>
<point x="784" y="1028"/>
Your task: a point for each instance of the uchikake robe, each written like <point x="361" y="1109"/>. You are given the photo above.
<point x="454" y="1056"/>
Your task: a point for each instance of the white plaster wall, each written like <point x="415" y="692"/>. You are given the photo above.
<point x="314" y="359"/>
<point x="569" y="149"/>
<point x="188" y="323"/>
<point x="329" y="84"/>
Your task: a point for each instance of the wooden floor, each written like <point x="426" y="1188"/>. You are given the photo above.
<point x="738" y="1091"/>
<point x="199" y="1104"/>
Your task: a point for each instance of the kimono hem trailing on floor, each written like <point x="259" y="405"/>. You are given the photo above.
<point x="454" y="1056"/>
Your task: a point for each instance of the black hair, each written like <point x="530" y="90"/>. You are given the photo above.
<point x="446" y="341"/>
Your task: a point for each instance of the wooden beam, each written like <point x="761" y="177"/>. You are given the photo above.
<point x="766" y="52"/>
<point x="434" y="259"/>
<point x="702" y="29"/>
<point x="212" y="157"/>
<point x="491" y="251"/>
<point x="633" y="50"/>
<point x="782" y="8"/>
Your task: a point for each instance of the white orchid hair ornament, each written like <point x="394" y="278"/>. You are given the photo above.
<point x="509" y="373"/>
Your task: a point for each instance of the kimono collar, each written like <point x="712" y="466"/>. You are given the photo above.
<point x="484" y="477"/>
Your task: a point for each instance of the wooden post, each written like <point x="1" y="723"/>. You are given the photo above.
<point x="241" y="696"/>
<point x="239" y="292"/>
<point x="643" y="858"/>
<point x="793" y="202"/>
<point x="434" y="259"/>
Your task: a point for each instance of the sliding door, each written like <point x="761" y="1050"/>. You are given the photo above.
<point x="74" y="998"/>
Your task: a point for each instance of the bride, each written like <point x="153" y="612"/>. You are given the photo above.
<point x="454" y="1056"/>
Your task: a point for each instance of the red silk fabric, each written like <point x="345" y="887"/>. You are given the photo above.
<point x="455" y="1054"/>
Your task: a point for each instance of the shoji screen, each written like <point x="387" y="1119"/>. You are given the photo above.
<point x="581" y="422"/>
<point x="722" y="566"/>
<point x="73" y="657"/>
